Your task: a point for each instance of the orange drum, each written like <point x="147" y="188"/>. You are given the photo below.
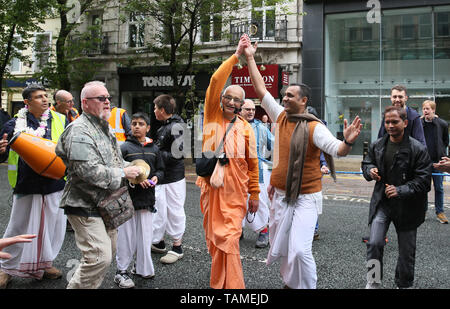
<point x="39" y="154"/>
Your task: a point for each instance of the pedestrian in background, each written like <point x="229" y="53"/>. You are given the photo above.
<point x="436" y="137"/>
<point x="171" y="191"/>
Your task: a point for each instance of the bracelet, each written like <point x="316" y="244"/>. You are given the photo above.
<point x="347" y="143"/>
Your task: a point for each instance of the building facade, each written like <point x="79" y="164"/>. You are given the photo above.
<point x="355" y="51"/>
<point x="134" y="84"/>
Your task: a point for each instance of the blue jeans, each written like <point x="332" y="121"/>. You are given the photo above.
<point x="438" y="192"/>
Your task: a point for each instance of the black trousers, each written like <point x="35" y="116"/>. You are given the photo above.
<point x="404" y="272"/>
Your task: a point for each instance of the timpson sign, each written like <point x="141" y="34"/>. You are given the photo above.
<point x="269" y="72"/>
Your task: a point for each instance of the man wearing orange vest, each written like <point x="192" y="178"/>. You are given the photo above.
<point x="64" y="105"/>
<point x="295" y="185"/>
<point x="120" y="124"/>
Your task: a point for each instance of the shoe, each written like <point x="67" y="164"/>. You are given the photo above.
<point x="123" y="280"/>
<point x="373" y="286"/>
<point x="159" y="247"/>
<point x="442" y="218"/>
<point x="4" y="279"/>
<point x="171" y="257"/>
<point x="316" y="236"/>
<point x="263" y="240"/>
<point x="133" y="272"/>
<point x="52" y="273"/>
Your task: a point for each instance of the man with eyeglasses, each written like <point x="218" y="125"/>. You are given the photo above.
<point x="225" y="207"/>
<point x="264" y="142"/>
<point x="414" y="128"/>
<point x="64" y="105"/>
<point x="95" y="168"/>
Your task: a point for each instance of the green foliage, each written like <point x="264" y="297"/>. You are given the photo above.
<point x="19" y="20"/>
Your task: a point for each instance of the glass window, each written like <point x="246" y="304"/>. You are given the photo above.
<point x="136" y="30"/>
<point x="263" y="17"/>
<point x="363" y="61"/>
<point x="211" y="22"/>
<point x="42" y="49"/>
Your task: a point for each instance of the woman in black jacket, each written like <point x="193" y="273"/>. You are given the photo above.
<point x="135" y="235"/>
<point x="401" y="167"/>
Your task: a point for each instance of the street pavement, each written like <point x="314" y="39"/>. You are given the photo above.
<point x="339" y="253"/>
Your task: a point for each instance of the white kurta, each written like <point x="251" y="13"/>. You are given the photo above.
<point x="170" y="217"/>
<point x="40" y="215"/>
<point x="291" y="228"/>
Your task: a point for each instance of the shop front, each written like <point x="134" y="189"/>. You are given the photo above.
<point x="138" y="87"/>
<point x="273" y="78"/>
<point x="356" y="60"/>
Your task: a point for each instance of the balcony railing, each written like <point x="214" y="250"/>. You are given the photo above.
<point x="261" y="30"/>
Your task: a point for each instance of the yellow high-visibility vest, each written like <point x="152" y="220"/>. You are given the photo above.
<point x="116" y="125"/>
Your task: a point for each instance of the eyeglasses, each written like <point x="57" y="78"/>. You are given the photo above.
<point x="229" y="98"/>
<point x="249" y="109"/>
<point x="101" y="99"/>
<point x="69" y="101"/>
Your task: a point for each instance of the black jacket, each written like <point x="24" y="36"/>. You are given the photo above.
<point x="169" y="139"/>
<point x="412" y="165"/>
<point x="442" y="135"/>
<point x="132" y="150"/>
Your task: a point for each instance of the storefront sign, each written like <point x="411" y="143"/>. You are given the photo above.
<point x="270" y="75"/>
<point x="285" y="78"/>
<point x="165" y="81"/>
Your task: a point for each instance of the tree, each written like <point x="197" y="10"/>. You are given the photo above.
<point x="69" y="58"/>
<point x="19" y="20"/>
<point x="176" y="25"/>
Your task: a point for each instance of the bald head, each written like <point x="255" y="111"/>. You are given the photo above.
<point x="63" y="101"/>
<point x="248" y="110"/>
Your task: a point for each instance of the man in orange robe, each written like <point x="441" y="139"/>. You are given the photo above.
<point x="224" y="208"/>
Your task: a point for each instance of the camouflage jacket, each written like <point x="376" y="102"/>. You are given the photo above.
<point x="93" y="160"/>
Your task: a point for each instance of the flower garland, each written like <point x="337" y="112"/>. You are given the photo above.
<point x="21" y="123"/>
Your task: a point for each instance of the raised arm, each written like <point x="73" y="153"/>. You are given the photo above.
<point x="255" y="75"/>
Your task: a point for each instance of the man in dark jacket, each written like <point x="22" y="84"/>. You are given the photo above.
<point x="171" y="192"/>
<point x="401" y="167"/>
<point x="436" y="136"/>
<point x="414" y="127"/>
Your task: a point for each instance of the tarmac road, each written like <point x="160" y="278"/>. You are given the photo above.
<point x="339" y="253"/>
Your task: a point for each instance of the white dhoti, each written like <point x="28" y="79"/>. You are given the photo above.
<point x="170" y="217"/>
<point x="260" y="219"/>
<point x="40" y="215"/>
<point x="291" y="231"/>
<point x="135" y="237"/>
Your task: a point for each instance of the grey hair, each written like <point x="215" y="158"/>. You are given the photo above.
<point x="90" y="85"/>
<point x="231" y="86"/>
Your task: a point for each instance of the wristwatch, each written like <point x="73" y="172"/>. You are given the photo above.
<point x="347" y="143"/>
